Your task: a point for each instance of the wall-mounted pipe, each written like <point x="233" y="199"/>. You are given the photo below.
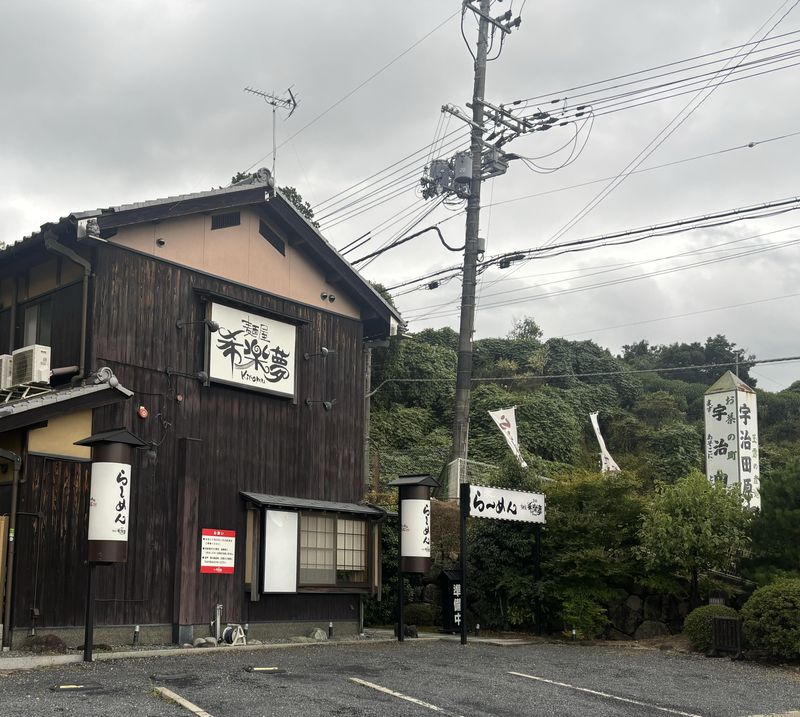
<point x="51" y="244"/>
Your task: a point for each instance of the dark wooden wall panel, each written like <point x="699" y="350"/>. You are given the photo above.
<point x="249" y="441"/>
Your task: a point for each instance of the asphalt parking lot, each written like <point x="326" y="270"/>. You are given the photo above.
<point x="414" y="678"/>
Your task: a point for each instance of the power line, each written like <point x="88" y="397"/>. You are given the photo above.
<point x="739" y="213"/>
<point x="626" y="280"/>
<point x="684" y="315"/>
<point x="558" y="93"/>
<point x="595" y="374"/>
<point x="687" y="111"/>
<point x="357" y="88"/>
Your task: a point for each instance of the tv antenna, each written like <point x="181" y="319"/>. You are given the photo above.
<point x="275" y="102"/>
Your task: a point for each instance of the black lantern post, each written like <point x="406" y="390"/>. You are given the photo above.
<point x="109" y="505"/>
<point x="414" y="524"/>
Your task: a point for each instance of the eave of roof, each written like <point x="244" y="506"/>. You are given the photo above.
<point x="286" y="502"/>
<point x="99" y="390"/>
<point x="246" y="194"/>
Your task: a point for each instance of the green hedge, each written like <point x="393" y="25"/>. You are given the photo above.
<point x="698" y="625"/>
<point x="419" y="613"/>
<point x="772" y="619"/>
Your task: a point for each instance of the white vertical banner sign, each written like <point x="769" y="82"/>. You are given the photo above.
<point x="506" y="420"/>
<point x="731" y="438"/>
<point x="415" y="542"/>
<point x="109" y="501"/>
<point x="607" y="463"/>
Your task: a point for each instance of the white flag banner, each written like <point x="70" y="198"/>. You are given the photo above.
<point x="506" y="420"/>
<point x="607" y="463"/>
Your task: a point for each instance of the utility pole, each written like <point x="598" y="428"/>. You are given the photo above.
<point x="449" y="177"/>
<point x="467" y="324"/>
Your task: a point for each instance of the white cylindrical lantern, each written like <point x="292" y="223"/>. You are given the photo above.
<point x="109" y="501"/>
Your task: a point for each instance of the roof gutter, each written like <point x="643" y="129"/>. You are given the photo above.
<point x="51" y="244"/>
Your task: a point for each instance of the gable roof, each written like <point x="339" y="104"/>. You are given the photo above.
<point x="258" y="193"/>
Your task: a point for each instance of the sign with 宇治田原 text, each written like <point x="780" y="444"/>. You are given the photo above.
<point x="731" y="441"/>
<point x="218" y="551"/>
<point x="506" y="504"/>
<point x="252" y="351"/>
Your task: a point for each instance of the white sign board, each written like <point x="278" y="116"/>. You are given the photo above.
<point x="109" y="501"/>
<point x="731" y="443"/>
<point x="280" y="552"/>
<point x="506" y="504"/>
<point x="415" y="542"/>
<point x="252" y="351"/>
<point x="218" y="551"/>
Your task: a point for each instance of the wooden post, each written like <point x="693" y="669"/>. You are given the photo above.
<point x="463" y="504"/>
<point x="401" y="627"/>
<point x="537" y="576"/>
<point x="88" y="632"/>
<point x="184" y="604"/>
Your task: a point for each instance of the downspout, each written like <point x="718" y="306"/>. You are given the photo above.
<point x="12" y="331"/>
<point x="51" y="244"/>
<point x="17" y="461"/>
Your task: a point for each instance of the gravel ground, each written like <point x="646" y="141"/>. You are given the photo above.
<point x="459" y="680"/>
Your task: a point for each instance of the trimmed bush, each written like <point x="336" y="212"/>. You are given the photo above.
<point x="772" y="619"/>
<point x="582" y="614"/>
<point x="698" y="624"/>
<point x="419" y="613"/>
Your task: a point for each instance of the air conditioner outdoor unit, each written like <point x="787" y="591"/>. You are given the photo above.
<point x="30" y="364"/>
<point x="5" y="372"/>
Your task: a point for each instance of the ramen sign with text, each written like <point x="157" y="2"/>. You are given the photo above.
<point x="252" y="351"/>
<point x="506" y="504"/>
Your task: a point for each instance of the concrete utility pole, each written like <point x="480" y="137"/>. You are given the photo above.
<point x="467" y="325"/>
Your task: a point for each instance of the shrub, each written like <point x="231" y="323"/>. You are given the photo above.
<point x="772" y="619"/>
<point x="419" y="613"/>
<point x="698" y="624"/>
<point x="585" y="616"/>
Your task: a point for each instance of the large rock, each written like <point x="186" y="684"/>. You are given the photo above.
<point x="652" y="608"/>
<point x="651" y="628"/>
<point x="634" y="602"/>
<point x="319" y="634"/>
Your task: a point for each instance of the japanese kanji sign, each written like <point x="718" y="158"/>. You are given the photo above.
<point x="109" y="501"/>
<point x="252" y="351"/>
<point x="506" y="504"/>
<point x="217" y="551"/>
<point x="731" y="437"/>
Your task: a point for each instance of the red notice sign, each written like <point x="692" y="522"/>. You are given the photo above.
<point x="218" y="551"/>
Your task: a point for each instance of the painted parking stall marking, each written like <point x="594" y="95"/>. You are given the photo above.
<point x="606" y="695"/>
<point x="171" y="696"/>
<point x="401" y="696"/>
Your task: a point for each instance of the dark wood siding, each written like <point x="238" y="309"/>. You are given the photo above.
<point x="248" y="441"/>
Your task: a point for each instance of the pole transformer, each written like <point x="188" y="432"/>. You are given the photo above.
<point x="467" y="323"/>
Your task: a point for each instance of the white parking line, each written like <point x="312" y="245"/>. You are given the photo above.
<point x="605" y="694"/>
<point x="171" y="696"/>
<point x="401" y="696"/>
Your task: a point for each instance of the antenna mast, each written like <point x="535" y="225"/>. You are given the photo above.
<point x="275" y="102"/>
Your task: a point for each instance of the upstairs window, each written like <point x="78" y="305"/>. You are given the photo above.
<point x="37" y="322"/>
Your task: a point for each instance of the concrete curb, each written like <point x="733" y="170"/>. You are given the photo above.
<point x="32" y="662"/>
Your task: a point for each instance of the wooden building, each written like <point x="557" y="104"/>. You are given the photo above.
<point x="224" y="331"/>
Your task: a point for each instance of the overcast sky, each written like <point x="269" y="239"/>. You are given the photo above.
<point x="106" y="103"/>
